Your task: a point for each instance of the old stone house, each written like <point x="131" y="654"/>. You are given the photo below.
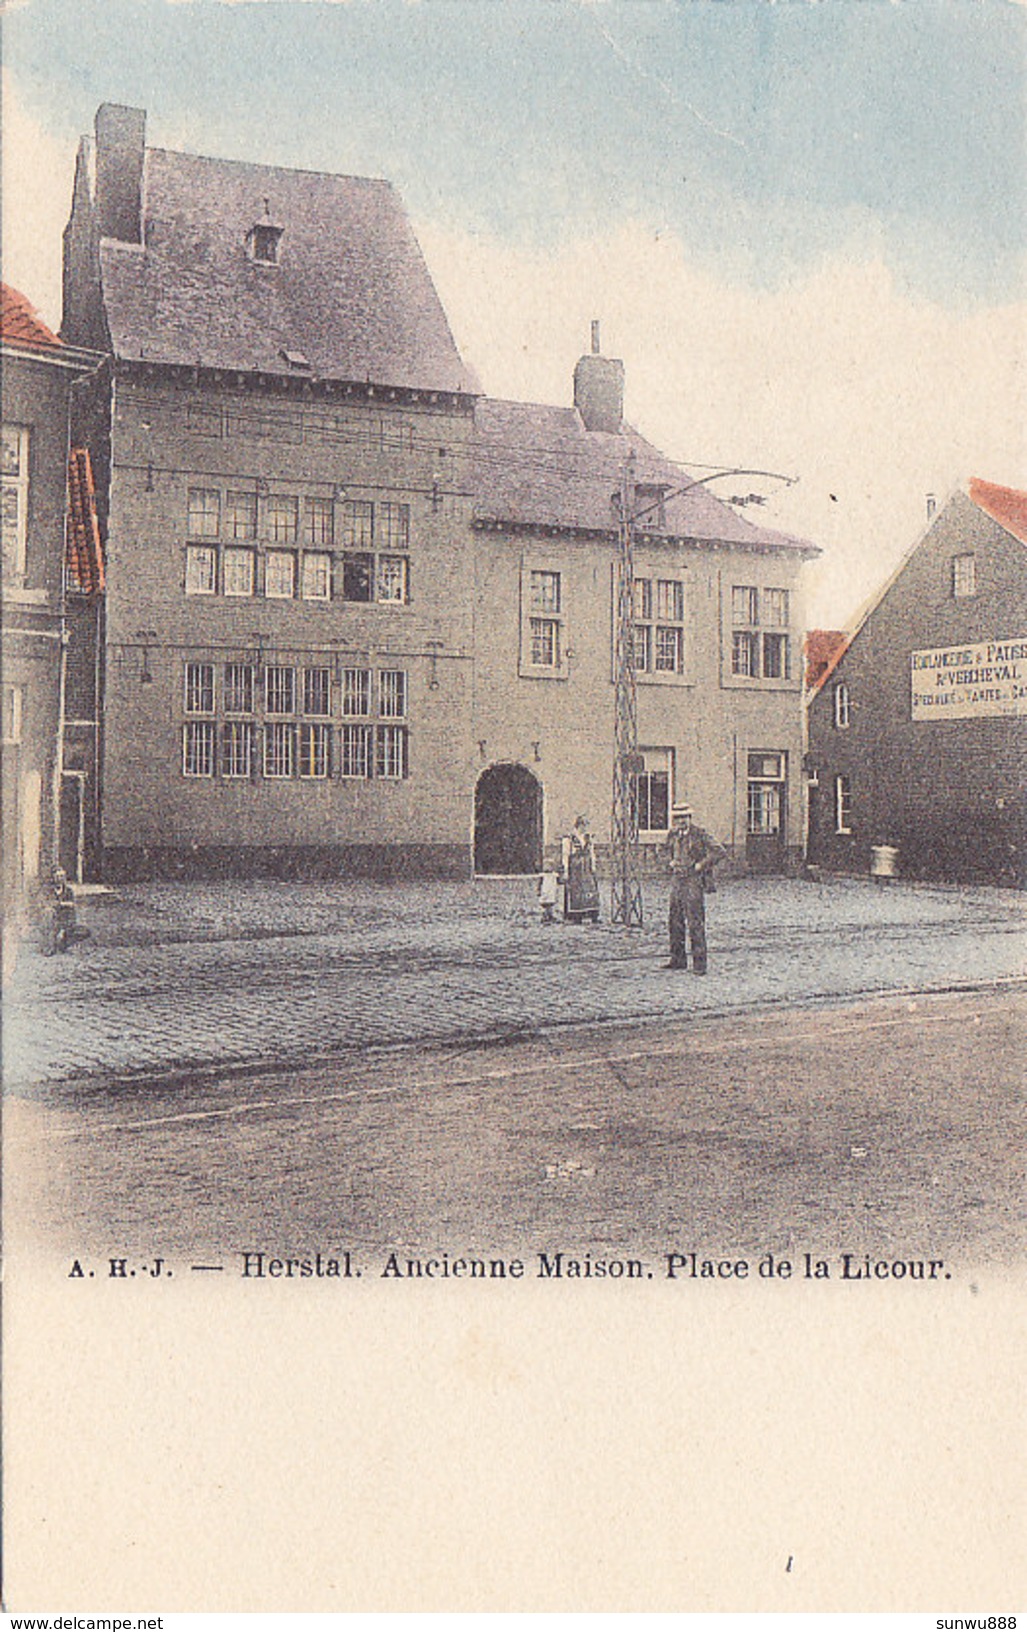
<point x="359" y="615"/>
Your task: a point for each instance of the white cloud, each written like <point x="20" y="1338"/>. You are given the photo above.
<point x="38" y="172"/>
<point x="872" y="399"/>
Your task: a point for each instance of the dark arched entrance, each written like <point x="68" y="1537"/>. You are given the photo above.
<point x="507" y="821"/>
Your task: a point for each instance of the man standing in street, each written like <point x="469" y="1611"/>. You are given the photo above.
<point x="693" y="856"/>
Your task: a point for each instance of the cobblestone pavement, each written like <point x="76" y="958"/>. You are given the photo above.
<point x="190" y="976"/>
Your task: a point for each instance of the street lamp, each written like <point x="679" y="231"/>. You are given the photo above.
<point x="626" y="905"/>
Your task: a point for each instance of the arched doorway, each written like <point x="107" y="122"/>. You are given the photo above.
<point x="507" y="821"/>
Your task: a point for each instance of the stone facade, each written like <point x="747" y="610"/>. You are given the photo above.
<point x="729" y="745"/>
<point x="359" y="617"/>
<point x="246" y="722"/>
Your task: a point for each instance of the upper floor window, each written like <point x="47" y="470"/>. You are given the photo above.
<point x="659" y="619"/>
<point x="317" y="576"/>
<point x="238" y="572"/>
<point x="319" y="522"/>
<point x="543" y="646"/>
<point x="204" y="512"/>
<point x="745" y="605"/>
<point x="964" y="576"/>
<point x="375" y="565"/>
<point x="283" y="518"/>
<point x="760" y="644"/>
<point x="14" y="465"/>
<point x="775" y="656"/>
<point x="280" y="575"/>
<point x="545" y="591"/>
<point x="841" y="705"/>
<point x="391" y="579"/>
<point x="201" y="569"/>
<point x="241" y="515"/>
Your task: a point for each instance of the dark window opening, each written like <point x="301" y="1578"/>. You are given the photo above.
<point x="358" y="577"/>
<point x="264" y="241"/>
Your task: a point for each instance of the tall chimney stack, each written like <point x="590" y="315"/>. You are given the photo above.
<point x="599" y="388"/>
<point x="120" y="147"/>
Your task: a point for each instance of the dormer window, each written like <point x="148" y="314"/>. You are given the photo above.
<point x="650" y="508"/>
<point x="262" y="243"/>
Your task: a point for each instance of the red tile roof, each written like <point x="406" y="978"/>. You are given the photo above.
<point x="823" y="646"/>
<point x="20" y="323"/>
<point x="85" y="551"/>
<point x="1006" y="505"/>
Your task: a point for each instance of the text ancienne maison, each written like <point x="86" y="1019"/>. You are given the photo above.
<point x="341" y="1265"/>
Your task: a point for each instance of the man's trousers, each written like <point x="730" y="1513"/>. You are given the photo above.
<point x="687" y="922"/>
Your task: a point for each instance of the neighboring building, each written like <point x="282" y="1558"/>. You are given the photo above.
<point x="718" y="621"/>
<point x="360" y="618"/>
<point x="917" y="735"/>
<point x="49" y="615"/>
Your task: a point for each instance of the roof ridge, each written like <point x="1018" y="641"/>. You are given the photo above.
<point x="279" y="169"/>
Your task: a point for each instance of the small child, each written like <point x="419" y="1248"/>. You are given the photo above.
<point x="61" y="927"/>
<point x="548" y="892"/>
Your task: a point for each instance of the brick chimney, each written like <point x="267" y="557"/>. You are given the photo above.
<point x="120" y="146"/>
<point x="599" y="388"/>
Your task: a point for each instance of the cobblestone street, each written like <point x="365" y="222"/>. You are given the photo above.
<point x="189" y="976"/>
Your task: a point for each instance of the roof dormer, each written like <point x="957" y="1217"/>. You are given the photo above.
<point x="262" y="243"/>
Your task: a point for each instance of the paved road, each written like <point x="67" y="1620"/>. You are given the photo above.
<point x="892" y="1128"/>
<point x="189" y="977"/>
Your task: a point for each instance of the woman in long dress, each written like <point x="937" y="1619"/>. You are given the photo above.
<point x="581" y="893"/>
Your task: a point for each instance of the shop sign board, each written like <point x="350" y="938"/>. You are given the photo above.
<point x="981" y="680"/>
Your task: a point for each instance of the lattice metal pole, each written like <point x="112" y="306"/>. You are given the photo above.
<point x="626" y="894"/>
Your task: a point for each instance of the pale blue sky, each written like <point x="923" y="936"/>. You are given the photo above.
<point x="763" y="134"/>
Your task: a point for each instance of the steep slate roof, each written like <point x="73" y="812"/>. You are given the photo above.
<point x="20" y="323"/>
<point x="1006" y="505"/>
<point x="537" y="466"/>
<point x="351" y="293"/>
